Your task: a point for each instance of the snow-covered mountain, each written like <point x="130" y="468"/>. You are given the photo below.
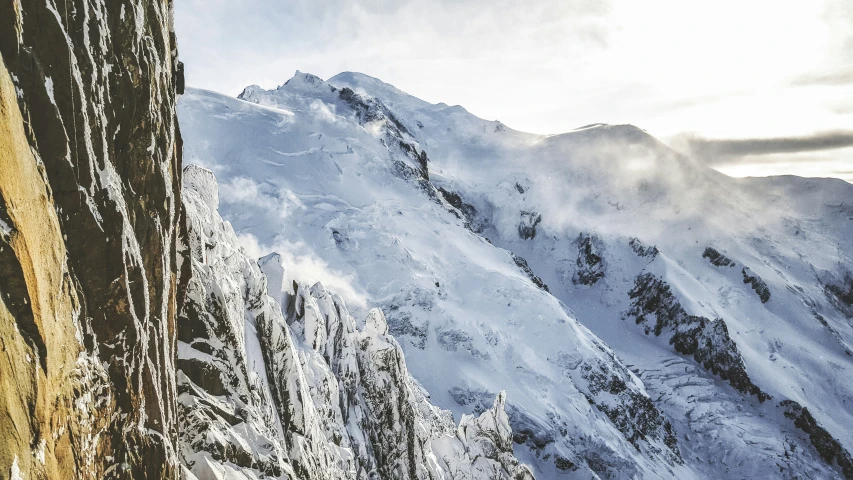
<point x="645" y="315"/>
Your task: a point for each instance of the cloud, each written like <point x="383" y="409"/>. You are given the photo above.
<point x="824" y="154"/>
<point x="807" y="164"/>
<point x="302" y="264"/>
<point x="263" y="196"/>
<point x="731" y="150"/>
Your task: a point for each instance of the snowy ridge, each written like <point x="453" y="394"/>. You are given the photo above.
<point x="506" y="261"/>
<point x="305" y="394"/>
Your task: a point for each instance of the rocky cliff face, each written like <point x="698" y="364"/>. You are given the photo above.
<point x="90" y="214"/>
<point x="301" y="391"/>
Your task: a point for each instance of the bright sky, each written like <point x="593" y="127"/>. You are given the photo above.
<point x="755" y="87"/>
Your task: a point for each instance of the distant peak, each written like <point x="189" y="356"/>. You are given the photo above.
<point x="300" y="78"/>
<point x="591" y="125"/>
<point x="356" y="76"/>
<point x="625" y="127"/>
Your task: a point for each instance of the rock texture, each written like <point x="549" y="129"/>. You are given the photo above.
<point x="716" y="258"/>
<point x="90" y="200"/>
<point x="828" y="447"/>
<point x="40" y="375"/>
<point x="757" y="284"/>
<point x="590" y="265"/>
<point x="708" y="341"/>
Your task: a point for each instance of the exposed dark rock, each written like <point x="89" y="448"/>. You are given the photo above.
<point x="841" y="295"/>
<point x="399" y="318"/>
<point x="757" y="284"/>
<point x="400" y="325"/>
<point x="473" y="220"/>
<point x="590" y="264"/>
<point x="369" y="109"/>
<point x="527" y="431"/>
<point x="643" y="250"/>
<point x="519" y="188"/>
<point x="717" y="259"/>
<point x="527" y="225"/>
<point x="564" y="463"/>
<point x="522" y="264"/>
<point x="829" y="449"/>
<point x="478" y="399"/>
<point x="415" y="175"/>
<point x="834" y="332"/>
<point x="452" y="340"/>
<point x="203" y="374"/>
<point x="421" y="158"/>
<point x="707" y="341"/>
<point x="633" y="413"/>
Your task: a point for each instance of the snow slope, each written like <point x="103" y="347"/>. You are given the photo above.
<point x="299" y="392"/>
<point x="567" y="270"/>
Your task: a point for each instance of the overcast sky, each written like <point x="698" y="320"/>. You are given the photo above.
<point x="754" y="87"/>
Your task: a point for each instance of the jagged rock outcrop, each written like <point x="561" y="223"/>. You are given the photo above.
<point x="631" y="410"/>
<point x="522" y="264"/>
<point x="708" y="341"/>
<point x="590" y="264"/>
<point x="841" y="295"/>
<point x="642" y="250"/>
<point x="91" y="199"/>
<point x="829" y="449"/>
<point x="757" y="284"/>
<point x="716" y="258"/>
<point x="527" y="225"/>
<point x="464" y="210"/>
<point x="225" y="405"/>
<point x="276" y="379"/>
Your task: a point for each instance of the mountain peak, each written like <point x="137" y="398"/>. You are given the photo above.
<point x="375" y="88"/>
<point x="359" y="77"/>
<point x="304" y="80"/>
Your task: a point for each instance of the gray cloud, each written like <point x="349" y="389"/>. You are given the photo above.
<point x="731" y="150"/>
